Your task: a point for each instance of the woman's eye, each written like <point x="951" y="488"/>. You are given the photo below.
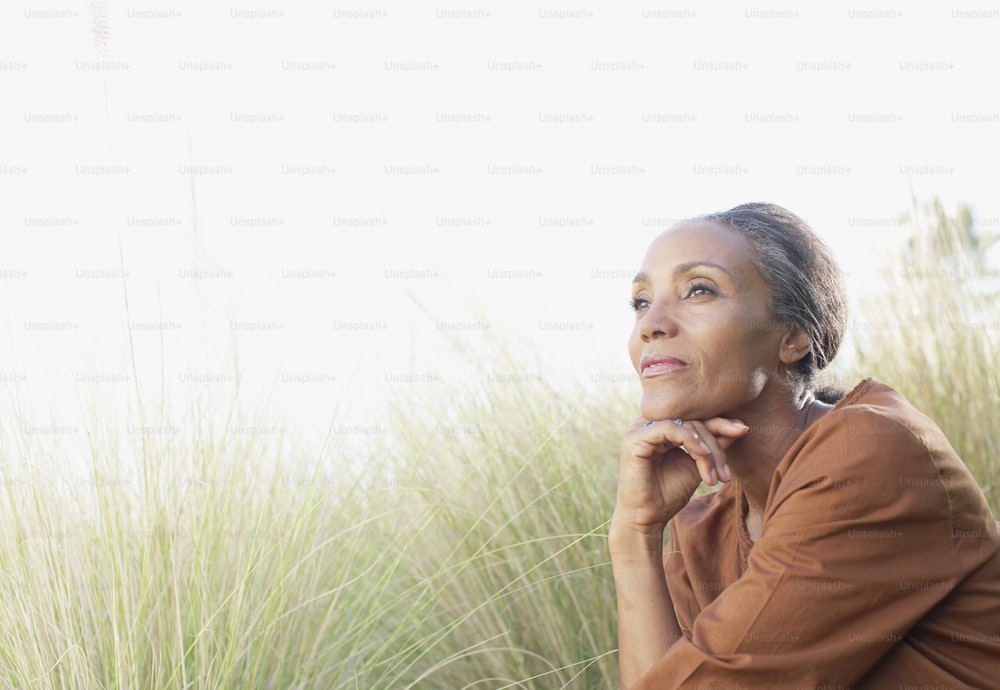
<point x="639" y="303"/>
<point x="699" y="289"/>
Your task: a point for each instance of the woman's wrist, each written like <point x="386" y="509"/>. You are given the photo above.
<point x="629" y="540"/>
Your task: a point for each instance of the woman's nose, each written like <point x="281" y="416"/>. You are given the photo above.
<point x="658" y="321"/>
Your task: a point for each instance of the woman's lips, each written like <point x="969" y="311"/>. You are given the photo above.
<point x="656" y="366"/>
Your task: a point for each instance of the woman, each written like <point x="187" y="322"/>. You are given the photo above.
<point x="848" y="546"/>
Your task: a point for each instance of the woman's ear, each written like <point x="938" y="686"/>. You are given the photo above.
<point x="794" y="346"/>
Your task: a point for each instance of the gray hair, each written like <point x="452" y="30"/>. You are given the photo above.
<point x="806" y="284"/>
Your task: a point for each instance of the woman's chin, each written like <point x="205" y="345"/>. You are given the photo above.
<point x="657" y="409"/>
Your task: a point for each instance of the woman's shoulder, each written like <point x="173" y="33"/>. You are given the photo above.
<point x="876" y="448"/>
<point x="875" y="396"/>
<point x="872" y="437"/>
<point x="873" y="417"/>
<point x="871" y="442"/>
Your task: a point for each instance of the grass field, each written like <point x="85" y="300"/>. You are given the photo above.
<point x="465" y="550"/>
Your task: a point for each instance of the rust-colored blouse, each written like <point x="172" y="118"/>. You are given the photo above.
<point x="878" y="566"/>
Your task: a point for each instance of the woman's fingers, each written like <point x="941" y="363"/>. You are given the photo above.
<point x="704" y="441"/>
<point x="728" y="428"/>
<point x="661" y="437"/>
<point x="655" y="481"/>
<point x="726" y="431"/>
<point x="709" y="456"/>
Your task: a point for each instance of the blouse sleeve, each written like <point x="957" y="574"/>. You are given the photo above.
<point x="856" y="547"/>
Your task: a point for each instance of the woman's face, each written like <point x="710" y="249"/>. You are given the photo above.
<point x="705" y="342"/>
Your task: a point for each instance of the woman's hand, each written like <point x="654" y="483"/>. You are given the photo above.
<point x="656" y="478"/>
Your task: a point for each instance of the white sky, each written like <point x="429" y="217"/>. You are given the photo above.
<point x="836" y="116"/>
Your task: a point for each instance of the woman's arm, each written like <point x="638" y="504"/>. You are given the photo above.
<point x="647" y="624"/>
<point x="655" y="480"/>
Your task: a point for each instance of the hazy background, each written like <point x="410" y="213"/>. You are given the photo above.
<point x="312" y="203"/>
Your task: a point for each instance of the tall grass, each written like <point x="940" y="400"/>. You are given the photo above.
<point x="464" y="549"/>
